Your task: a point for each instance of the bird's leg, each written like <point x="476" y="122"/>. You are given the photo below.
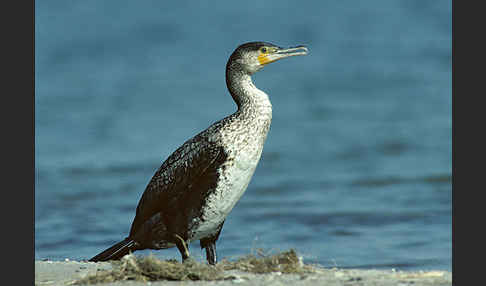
<point x="211" y="253"/>
<point x="209" y="243"/>
<point x="182" y="246"/>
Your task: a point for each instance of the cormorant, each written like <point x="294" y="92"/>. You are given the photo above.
<point x="190" y="195"/>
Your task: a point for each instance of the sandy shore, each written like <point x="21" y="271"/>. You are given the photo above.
<point x="67" y="272"/>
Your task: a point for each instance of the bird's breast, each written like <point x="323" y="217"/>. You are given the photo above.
<point x="244" y="149"/>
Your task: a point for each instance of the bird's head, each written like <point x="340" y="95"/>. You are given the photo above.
<point x="253" y="56"/>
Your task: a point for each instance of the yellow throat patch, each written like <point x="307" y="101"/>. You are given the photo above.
<point x="263" y="60"/>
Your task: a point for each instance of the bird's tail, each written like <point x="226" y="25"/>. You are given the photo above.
<point x="115" y="252"/>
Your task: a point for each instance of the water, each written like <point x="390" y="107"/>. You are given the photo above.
<point x="356" y="170"/>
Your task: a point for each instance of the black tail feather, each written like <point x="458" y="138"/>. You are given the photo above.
<point x="115" y="252"/>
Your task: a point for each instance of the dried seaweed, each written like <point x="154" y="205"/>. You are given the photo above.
<point x="150" y="268"/>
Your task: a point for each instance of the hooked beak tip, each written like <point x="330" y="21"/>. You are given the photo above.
<point x="294" y="51"/>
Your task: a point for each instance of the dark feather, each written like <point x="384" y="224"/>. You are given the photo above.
<point x="116" y="251"/>
<point x="177" y="189"/>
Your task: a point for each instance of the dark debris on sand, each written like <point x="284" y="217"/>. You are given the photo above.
<point x="151" y="268"/>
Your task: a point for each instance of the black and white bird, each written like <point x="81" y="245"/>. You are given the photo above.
<point x="192" y="193"/>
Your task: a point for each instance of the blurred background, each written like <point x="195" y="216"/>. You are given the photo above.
<point x="356" y="170"/>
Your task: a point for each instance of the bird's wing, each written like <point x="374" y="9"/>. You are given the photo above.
<point x="184" y="175"/>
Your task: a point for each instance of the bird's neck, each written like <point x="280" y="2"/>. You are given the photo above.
<point x="252" y="102"/>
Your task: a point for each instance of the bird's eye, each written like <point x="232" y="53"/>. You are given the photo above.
<point x="264" y="50"/>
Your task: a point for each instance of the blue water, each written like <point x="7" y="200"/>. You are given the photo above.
<point x="356" y="170"/>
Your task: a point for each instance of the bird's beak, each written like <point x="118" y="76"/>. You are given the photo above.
<point x="279" y="53"/>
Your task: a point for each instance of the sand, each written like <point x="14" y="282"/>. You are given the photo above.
<point x="243" y="272"/>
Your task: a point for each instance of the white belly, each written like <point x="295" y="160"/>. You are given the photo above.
<point x="232" y="184"/>
<point x="244" y="137"/>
